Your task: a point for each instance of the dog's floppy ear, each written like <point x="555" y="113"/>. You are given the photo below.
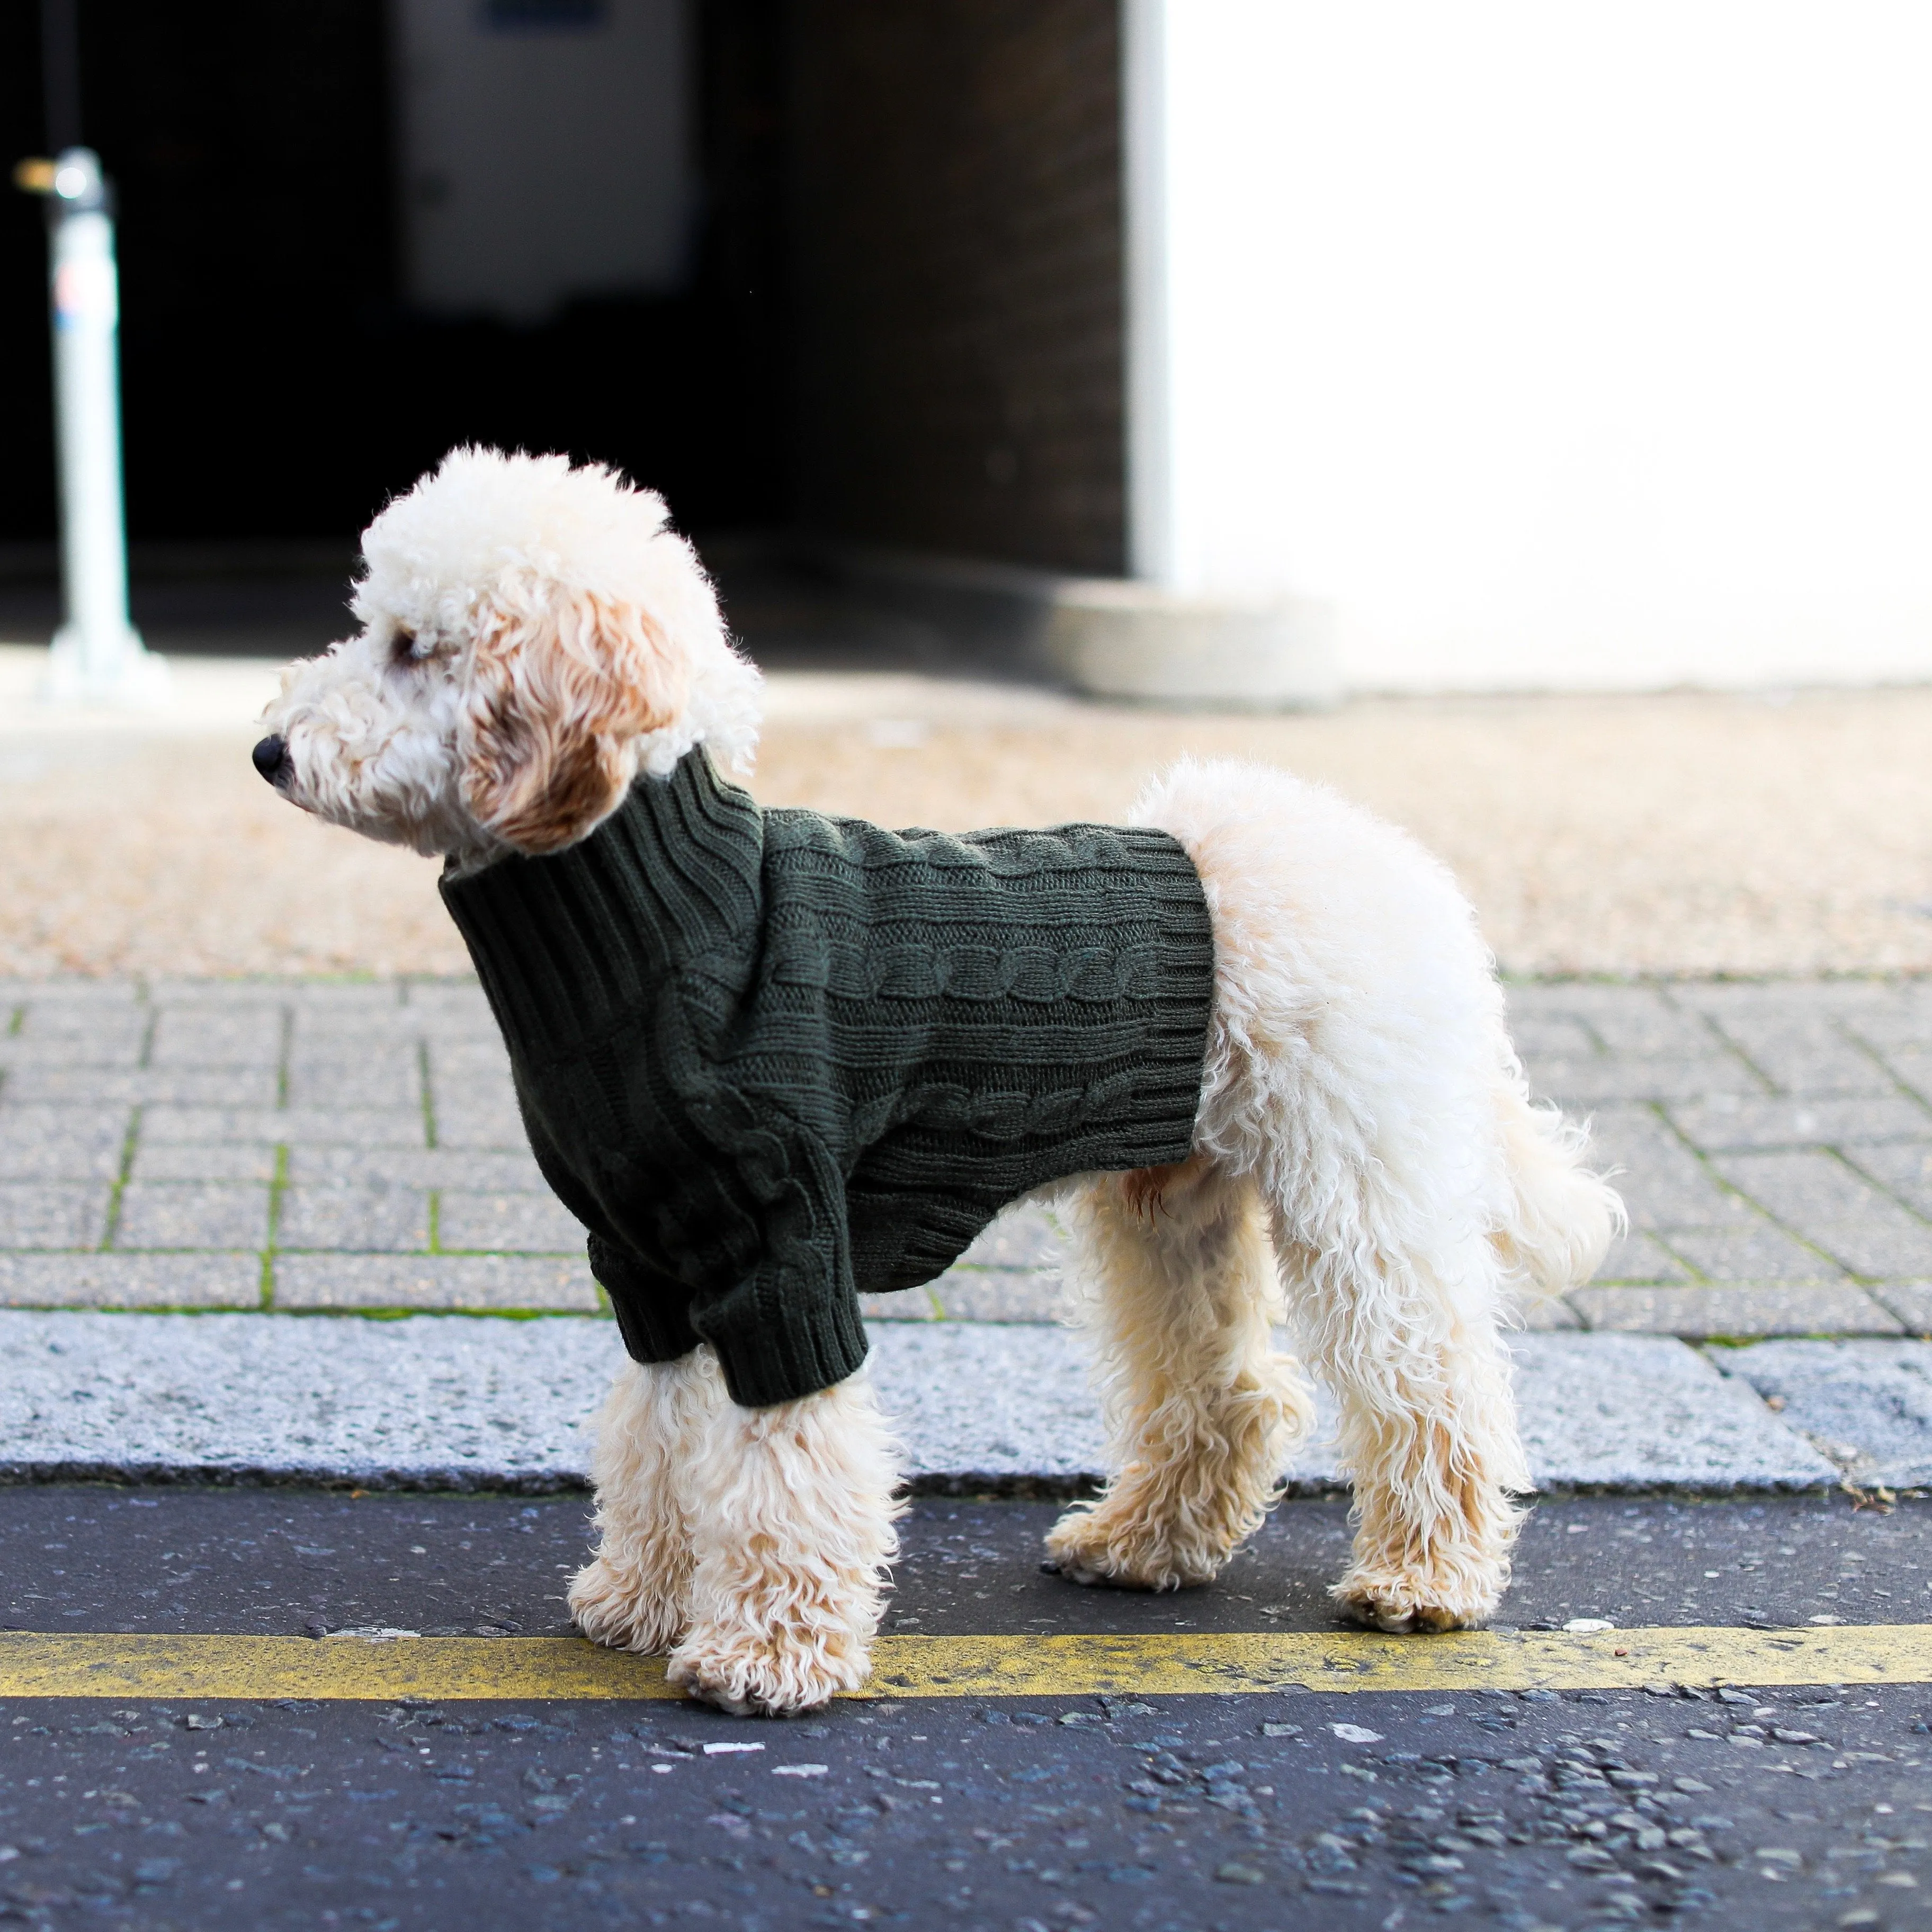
<point x="561" y="686"/>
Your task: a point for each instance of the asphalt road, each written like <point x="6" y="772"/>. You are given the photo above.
<point x="1808" y="1806"/>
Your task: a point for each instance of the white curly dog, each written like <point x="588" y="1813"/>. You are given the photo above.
<point x="1367" y="1164"/>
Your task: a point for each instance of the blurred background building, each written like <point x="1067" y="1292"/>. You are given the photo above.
<point x="1531" y="346"/>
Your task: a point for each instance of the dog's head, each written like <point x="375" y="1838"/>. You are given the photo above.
<point x="532" y="637"/>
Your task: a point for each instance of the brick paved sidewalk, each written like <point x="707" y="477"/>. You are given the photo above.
<point x="354" y="1146"/>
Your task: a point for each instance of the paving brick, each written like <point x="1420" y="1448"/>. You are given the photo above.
<point x="1548" y="1314"/>
<point x="1911" y="1301"/>
<point x="1904" y="1249"/>
<point x="1906" y="1169"/>
<point x="1023" y="1237"/>
<point x="390" y="1220"/>
<point x="479" y="1096"/>
<point x="192" y="1160"/>
<point x="1806" y="1056"/>
<point x="444" y="1000"/>
<point x="1889" y="1029"/>
<point x="130" y="1281"/>
<point x="534" y="1224"/>
<point x="111" y="1039"/>
<point x="313" y="1127"/>
<point x="1911" y="1066"/>
<point x="1586" y="1083"/>
<point x="1761" y="1253"/>
<point x="223" y="996"/>
<point x="187" y="1214"/>
<point x="1663" y="1184"/>
<point x="76" y="993"/>
<point x="1803" y="1188"/>
<point x="121" y="1048"/>
<point x="1590" y="997"/>
<point x="1650" y="1030"/>
<point x="163" y="1086"/>
<point x="338" y="1036"/>
<point x="455" y="1063"/>
<point x="117" y="1023"/>
<point x="1697" y="1312"/>
<point x="474" y="1282"/>
<point x="1735" y="1124"/>
<point x="1552" y="1036"/>
<point x="389" y="1077"/>
<point x="1844" y="998"/>
<point x="1629" y="1019"/>
<point x="229" y="1035"/>
<point x="62" y="1143"/>
<point x="343" y="1001"/>
<point x="910" y="1304"/>
<point x="1837" y="1210"/>
<point x="1001" y="1294"/>
<point x="476" y="1171"/>
<point x="471" y="1036"/>
<point x="1641" y="1258"/>
<point x="53" y="1214"/>
<point x="499" y="1127"/>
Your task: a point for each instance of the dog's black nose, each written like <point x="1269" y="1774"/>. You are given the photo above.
<point x="270" y="755"/>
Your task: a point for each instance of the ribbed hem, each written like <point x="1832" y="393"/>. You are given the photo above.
<point x="785" y="1352"/>
<point x="654" y="1329"/>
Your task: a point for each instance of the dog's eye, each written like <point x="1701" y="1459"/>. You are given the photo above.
<point x="403" y="645"/>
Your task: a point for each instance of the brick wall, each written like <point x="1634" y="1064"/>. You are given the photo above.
<point x="956" y="222"/>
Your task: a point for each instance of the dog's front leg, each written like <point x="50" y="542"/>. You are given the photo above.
<point x="634" y="1593"/>
<point x="791" y="1510"/>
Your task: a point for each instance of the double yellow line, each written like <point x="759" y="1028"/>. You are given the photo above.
<point x="67" y="1664"/>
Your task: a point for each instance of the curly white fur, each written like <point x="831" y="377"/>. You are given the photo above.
<point x="381" y="733"/>
<point x="635" y="1593"/>
<point x="1366" y="1158"/>
<point x="790" y="1511"/>
<point x="1179" y="1289"/>
<point x="1360" y="1073"/>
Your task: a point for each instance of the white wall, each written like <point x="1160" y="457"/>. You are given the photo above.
<point x="545" y="151"/>
<point x="1558" y="344"/>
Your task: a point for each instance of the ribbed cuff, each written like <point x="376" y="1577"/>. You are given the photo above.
<point x="784" y="1350"/>
<point x="654" y="1328"/>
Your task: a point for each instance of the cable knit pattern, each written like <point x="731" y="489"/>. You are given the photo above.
<point x="773" y="1060"/>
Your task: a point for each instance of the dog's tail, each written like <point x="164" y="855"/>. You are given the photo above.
<point x="1561" y="1217"/>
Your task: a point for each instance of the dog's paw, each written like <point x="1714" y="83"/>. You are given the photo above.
<point x="764" y="1676"/>
<point x="615" y="1603"/>
<point x="1098" y="1546"/>
<point x="1401" y="1604"/>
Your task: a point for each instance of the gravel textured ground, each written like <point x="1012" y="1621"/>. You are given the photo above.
<point x="1679" y="834"/>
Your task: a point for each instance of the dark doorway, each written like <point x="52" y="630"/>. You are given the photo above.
<point x="895" y="320"/>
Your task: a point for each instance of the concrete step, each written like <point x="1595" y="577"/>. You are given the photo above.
<point x="477" y="1403"/>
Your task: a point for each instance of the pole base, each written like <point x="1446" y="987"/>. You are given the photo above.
<point x="119" y="671"/>
<point x="1124" y="640"/>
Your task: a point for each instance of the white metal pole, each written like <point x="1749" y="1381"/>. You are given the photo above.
<point x="97" y="656"/>
<point x="1151" y="547"/>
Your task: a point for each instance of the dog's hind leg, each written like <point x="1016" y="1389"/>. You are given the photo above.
<point x="1202" y="1410"/>
<point x="634" y="1593"/>
<point x="1410" y="1345"/>
<point x="791" y="1515"/>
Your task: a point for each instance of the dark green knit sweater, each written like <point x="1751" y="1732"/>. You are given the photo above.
<point x="774" y="1060"/>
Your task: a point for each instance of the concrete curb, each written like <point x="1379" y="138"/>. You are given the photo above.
<point x="469" y="1403"/>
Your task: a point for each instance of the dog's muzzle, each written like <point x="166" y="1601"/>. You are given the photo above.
<point x="271" y="759"/>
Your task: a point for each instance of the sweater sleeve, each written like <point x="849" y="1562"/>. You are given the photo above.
<point x="649" y="1304"/>
<point x="790" y="1326"/>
